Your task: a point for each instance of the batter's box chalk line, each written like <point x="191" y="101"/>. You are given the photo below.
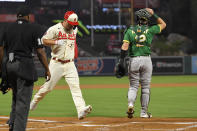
<point x="105" y="127"/>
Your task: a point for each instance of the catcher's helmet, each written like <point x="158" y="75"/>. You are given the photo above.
<point x="71" y="17"/>
<point x="143" y="16"/>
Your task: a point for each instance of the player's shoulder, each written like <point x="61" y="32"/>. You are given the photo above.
<point x="56" y="26"/>
<point x="155" y="29"/>
<point x="130" y="29"/>
<point x="154" y="26"/>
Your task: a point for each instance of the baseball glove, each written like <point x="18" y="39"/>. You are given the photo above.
<point x="120" y="69"/>
<point x="143" y="13"/>
<point x="4" y="86"/>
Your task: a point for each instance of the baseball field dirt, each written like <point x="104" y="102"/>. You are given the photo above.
<point x="106" y="124"/>
<point x="109" y="123"/>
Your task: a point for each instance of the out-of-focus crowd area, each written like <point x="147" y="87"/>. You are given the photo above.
<point x="178" y="39"/>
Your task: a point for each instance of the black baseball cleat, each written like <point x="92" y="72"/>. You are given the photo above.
<point x="8" y="121"/>
<point x="130" y="112"/>
<point x="11" y="127"/>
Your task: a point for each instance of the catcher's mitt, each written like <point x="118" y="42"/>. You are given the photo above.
<point x="143" y="13"/>
<point x="120" y="69"/>
<point x="4" y="86"/>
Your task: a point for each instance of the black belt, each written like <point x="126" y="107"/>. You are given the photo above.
<point x="62" y="61"/>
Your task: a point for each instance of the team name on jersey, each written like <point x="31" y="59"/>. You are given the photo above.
<point x="66" y="36"/>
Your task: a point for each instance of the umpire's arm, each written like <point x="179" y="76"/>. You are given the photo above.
<point x="43" y="59"/>
<point x="1" y="58"/>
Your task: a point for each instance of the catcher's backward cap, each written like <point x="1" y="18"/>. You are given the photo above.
<point x="23" y="11"/>
<point x="143" y="14"/>
<point x="71" y="17"/>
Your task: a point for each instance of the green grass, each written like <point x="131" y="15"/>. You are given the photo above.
<point x="112" y="102"/>
<point x="113" y="80"/>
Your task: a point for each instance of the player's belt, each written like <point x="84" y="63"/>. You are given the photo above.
<point x="62" y="61"/>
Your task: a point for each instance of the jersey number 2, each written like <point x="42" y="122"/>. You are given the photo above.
<point x="140" y="38"/>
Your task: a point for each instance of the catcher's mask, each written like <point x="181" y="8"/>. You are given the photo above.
<point x="143" y="17"/>
<point x="142" y="21"/>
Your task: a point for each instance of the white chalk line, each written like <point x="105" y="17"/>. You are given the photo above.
<point x="34" y="120"/>
<point x="187" y="127"/>
<point x="192" y="124"/>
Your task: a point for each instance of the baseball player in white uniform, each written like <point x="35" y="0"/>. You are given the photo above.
<point x="62" y="39"/>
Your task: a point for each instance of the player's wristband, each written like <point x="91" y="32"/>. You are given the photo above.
<point x="156" y="16"/>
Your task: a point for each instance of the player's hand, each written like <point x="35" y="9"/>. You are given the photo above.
<point x="59" y="42"/>
<point x="48" y="75"/>
<point x="150" y="11"/>
<point x="120" y="68"/>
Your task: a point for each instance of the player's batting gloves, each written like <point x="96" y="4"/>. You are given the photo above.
<point x="59" y="42"/>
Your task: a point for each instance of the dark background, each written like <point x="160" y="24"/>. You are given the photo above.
<point x="178" y="39"/>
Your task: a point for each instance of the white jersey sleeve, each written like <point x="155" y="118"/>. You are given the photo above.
<point x="75" y="31"/>
<point x="50" y="34"/>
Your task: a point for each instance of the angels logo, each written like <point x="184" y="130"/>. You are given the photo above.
<point x="66" y="36"/>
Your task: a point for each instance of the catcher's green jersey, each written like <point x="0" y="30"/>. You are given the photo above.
<point x="140" y="38"/>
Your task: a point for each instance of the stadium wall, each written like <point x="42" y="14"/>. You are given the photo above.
<point x="104" y="66"/>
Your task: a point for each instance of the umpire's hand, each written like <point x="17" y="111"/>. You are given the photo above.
<point x="0" y="74"/>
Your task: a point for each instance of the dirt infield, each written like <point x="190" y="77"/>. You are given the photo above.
<point x="106" y="124"/>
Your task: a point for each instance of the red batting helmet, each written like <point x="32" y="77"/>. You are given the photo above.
<point x="71" y="17"/>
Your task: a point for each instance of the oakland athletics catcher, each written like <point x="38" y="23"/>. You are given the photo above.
<point x="137" y="41"/>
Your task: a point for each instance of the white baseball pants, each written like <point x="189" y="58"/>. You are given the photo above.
<point x="69" y="72"/>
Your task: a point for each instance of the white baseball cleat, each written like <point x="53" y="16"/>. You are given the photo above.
<point x="146" y="115"/>
<point x="33" y="106"/>
<point x="82" y="114"/>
